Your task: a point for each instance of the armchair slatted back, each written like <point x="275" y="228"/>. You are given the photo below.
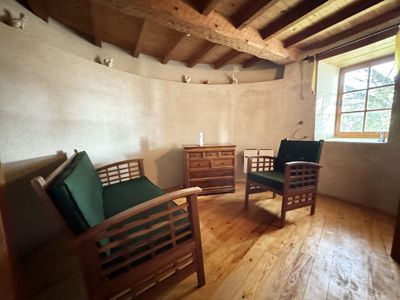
<point x="121" y="171"/>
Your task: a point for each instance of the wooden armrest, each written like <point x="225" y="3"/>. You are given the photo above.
<point x="302" y="163"/>
<point x="121" y="171"/>
<point x="90" y="234"/>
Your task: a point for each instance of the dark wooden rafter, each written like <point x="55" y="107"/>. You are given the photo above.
<point x="180" y="16"/>
<point x="39" y="7"/>
<point x="388" y="16"/>
<point x="209" y="6"/>
<point x="295" y="14"/>
<point x="139" y="42"/>
<point x="339" y="16"/>
<point x="358" y="43"/>
<point x="197" y="57"/>
<point x="220" y="62"/>
<point x="250" y="11"/>
<point x="95" y="33"/>
<point x="178" y="41"/>
<point x="251" y="61"/>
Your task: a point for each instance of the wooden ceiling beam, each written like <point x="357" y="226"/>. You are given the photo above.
<point x="340" y="15"/>
<point x="295" y="14"/>
<point x="251" y="61"/>
<point x="181" y="17"/>
<point x="250" y="11"/>
<point x="222" y="61"/>
<point x="95" y="32"/>
<point x="386" y="17"/>
<point x="210" y="5"/>
<point x="176" y="44"/>
<point x="139" y="42"/>
<point x="201" y="54"/>
<point x="358" y="43"/>
<point x="39" y="7"/>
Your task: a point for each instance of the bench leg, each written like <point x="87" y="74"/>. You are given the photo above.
<point x="201" y="279"/>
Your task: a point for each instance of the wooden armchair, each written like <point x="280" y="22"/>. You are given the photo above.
<point x="141" y="244"/>
<point x="293" y="174"/>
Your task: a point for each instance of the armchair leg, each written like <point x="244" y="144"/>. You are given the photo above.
<point x="246" y="195"/>
<point x="283" y="212"/>
<point x="312" y="209"/>
<point x="282" y="221"/>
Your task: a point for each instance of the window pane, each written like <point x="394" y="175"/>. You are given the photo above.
<point x="377" y="120"/>
<point x="352" y="122"/>
<point x="356" y="80"/>
<point x="382" y="74"/>
<point x="353" y="101"/>
<point x="380" y="98"/>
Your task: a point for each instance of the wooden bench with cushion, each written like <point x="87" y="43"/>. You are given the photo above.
<point x="133" y="240"/>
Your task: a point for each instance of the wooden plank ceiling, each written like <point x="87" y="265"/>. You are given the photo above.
<point x="220" y="32"/>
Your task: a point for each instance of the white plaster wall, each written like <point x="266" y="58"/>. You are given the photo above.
<point x="59" y="36"/>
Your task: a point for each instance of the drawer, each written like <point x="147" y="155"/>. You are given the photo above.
<point x="199" y="164"/>
<point x="227" y="153"/>
<point x="227" y="162"/>
<point x="195" y="154"/>
<point x="210" y="173"/>
<point x="210" y="154"/>
<point x="213" y="183"/>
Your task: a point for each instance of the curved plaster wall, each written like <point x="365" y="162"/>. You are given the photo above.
<point x="59" y="36"/>
<point x="52" y="100"/>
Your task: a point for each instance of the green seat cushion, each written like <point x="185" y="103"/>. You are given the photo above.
<point x="124" y="195"/>
<point x="272" y="179"/>
<point x="77" y="193"/>
<point x="297" y="151"/>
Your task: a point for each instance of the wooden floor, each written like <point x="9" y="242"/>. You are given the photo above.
<point x="342" y="252"/>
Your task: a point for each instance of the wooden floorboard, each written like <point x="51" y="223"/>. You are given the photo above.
<point x="342" y="252"/>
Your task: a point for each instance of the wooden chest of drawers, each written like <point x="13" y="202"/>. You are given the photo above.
<point x="211" y="167"/>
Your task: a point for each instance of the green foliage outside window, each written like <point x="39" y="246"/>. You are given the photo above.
<point x="366" y="98"/>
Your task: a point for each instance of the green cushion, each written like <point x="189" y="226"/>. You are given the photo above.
<point x="77" y="192"/>
<point x="297" y="151"/>
<point x="64" y="202"/>
<point x="124" y="195"/>
<point x="272" y="179"/>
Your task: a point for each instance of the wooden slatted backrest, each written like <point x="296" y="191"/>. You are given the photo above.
<point x="8" y="288"/>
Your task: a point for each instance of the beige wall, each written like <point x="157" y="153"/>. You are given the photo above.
<point x="53" y="100"/>
<point x="368" y="174"/>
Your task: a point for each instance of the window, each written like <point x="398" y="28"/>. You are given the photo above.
<point x="365" y="99"/>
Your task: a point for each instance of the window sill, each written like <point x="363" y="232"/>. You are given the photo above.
<point x="355" y="140"/>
